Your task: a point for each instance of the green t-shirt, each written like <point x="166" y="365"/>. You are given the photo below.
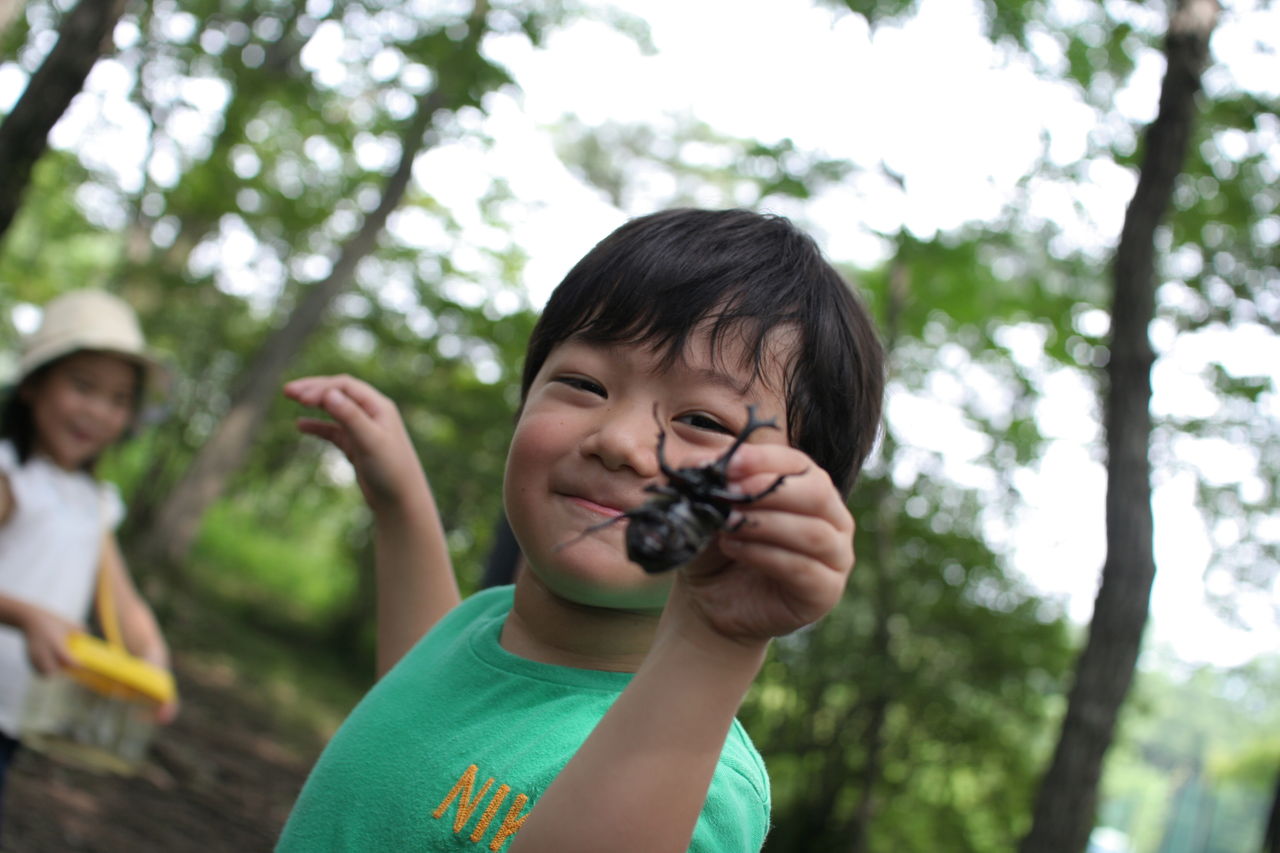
<point x="451" y="749"/>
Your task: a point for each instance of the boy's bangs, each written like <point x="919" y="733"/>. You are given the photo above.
<point x="665" y="319"/>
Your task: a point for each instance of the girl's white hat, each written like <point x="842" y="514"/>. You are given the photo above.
<point x="88" y="320"/>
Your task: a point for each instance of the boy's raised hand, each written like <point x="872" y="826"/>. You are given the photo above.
<point x="787" y="562"/>
<point x="367" y="428"/>
<point x="416" y="583"/>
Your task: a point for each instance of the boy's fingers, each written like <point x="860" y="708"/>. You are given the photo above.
<point x="306" y="390"/>
<point x="768" y="458"/>
<point x="366" y="396"/>
<point x="327" y="430"/>
<point x="350" y="418"/>
<point x="804" y="492"/>
<point x="347" y="412"/>
<point x="805" y="537"/>
<point x="313" y="391"/>
<point x="811" y="590"/>
<point x="808" y="573"/>
<point x="755" y="468"/>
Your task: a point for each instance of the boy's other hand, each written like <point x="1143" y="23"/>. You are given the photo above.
<point x="788" y="560"/>
<point x="367" y="428"/>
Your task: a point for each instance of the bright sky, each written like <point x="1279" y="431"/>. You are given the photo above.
<point x="790" y="69"/>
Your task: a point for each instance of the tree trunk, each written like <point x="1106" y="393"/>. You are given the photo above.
<point x="84" y="36"/>
<point x="1271" y="836"/>
<point x="169" y="537"/>
<point x="1065" y="804"/>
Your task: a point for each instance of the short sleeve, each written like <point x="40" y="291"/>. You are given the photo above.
<point x="112" y="505"/>
<point x="735" y="817"/>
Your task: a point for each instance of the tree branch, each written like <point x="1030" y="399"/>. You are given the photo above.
<point x="84" y="36"/>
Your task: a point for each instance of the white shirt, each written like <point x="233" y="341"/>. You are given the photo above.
<point x="49" y="553"/>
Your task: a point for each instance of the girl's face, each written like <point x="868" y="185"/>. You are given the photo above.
<point x="586" y="446"/>
<point x="81" y="406"/>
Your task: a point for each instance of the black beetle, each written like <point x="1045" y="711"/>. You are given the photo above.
<point x="688" y="510"/>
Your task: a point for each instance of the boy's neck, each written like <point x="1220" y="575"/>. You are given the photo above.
<point x="547" y="628"/>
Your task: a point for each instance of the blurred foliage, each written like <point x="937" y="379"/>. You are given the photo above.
<point x="687" y="163"/>
<point x="943" y="720"/>
<point x="1197" y="757"/>
<point x="918" y="715"/>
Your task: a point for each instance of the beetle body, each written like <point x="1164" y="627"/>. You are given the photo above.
<point x="669" y="530"/>
<point x="687" y="511"/>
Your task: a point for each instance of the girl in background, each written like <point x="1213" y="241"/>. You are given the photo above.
<point x="81" y="379"/>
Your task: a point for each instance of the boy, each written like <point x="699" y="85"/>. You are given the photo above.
<point x="591" y="706"/>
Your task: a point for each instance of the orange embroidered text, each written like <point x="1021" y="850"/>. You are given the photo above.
<point x="467" y="803"/>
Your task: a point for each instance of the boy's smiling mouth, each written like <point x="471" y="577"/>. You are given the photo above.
<point x="592" y="506"/>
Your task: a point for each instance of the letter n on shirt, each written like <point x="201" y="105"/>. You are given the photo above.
<point x="467" y="800"/>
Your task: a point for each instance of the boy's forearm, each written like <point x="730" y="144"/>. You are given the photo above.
<point x="642" y="777"/>
<point x="415" y="578"/>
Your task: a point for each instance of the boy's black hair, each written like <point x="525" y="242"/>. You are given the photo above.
<point x="18" y="424"/>
<point x="658" y="279"/>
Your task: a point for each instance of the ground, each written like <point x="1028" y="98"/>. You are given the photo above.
<point x="221" y="778"/>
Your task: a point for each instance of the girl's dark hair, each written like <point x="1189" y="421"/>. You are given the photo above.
<point x="660" y="278"/>
<point x="18" y="424"/>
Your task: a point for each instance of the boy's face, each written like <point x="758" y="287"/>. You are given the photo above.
<point x="586" y="446"/>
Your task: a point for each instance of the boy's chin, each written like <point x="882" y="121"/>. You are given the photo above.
<point x="623" y="586"/>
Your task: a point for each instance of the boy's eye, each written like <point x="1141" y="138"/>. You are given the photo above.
<point x="582" y="384"/>
<point x="701" y="421"/>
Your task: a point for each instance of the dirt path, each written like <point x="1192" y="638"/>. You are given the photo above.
<point x="222" y="778"/>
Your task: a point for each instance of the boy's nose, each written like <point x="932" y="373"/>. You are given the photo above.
<point x="626" y="437"/>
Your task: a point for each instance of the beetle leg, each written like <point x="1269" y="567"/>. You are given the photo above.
<point x="732" y="497"/>
<point x="753" y="424"/>
<point x="662" y="489"/>
<point x="758" y="495"/>
<point x="592" y="529"/>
